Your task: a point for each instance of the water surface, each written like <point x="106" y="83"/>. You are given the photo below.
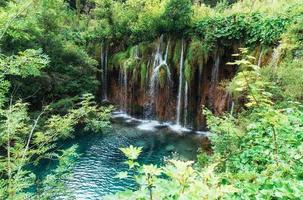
<point x="100" y="158"/>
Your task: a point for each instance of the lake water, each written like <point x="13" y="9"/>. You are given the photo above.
<point x="93" y="175"/>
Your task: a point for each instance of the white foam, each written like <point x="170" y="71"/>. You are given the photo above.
<point x="149" y="125"/>
<point x="203" y="133"/>
<point x="153" y="125"/>
<point x="178" y="128"/>
<point x="118" y="114"/>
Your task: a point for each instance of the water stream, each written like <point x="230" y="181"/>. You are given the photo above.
<point x="103" y="67"/>
<point x="260" y="57"/>
<point x="186" y="104"/>
<point x="160" y="62"/>
<point x="125" y="84"/>
<point x="178" y="118"/>
<point x="215" y="71"/>
<point x="276" y="56"/>
<point x="214" y="79"/>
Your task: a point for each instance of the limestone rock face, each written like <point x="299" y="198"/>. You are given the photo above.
<point x="144" y="80"/>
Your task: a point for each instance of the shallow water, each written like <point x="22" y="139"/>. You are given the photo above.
<point x="100" y="158"/>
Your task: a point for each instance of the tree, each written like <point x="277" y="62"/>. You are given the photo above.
<point x="177" y="15"/>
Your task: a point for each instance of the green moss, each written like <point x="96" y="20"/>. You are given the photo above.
<point x="143" y="71"/>
<point x="146" y="49"/>
<point x="130" y="64"/>
<point x="188" y="71"/>
<point x="135" y="74"/>
<point x="132" y="51"/>
<point x="118" y="59"/>
<point x="177" y="53"/>
<point x="197" y="52"/>
<point x="162" y="77"/>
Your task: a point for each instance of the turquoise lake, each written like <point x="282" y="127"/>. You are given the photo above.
<point x="93" y="175"/>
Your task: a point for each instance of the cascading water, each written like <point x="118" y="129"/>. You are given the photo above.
<point x="178" y="126"/>
<point x="230" y="102"/>
<point x="125" y="88"/>
<point x="120" y="80"/>
<point x="276" y="56"/>
<point x="136" y="54"/>
<point x="159" y="63"/>
<point x="178" y="118"/>
<point x="186" y="104"/>
<point x="146" y="79"/>
<point x="123" y="81"/>
<point x="155" y="77"/>
<point x="214" y="79"/>
<point x="103" y="67"/>
<point x="260" y="57"/>
<point x="215" y="71"/>
<point x="158" y="55"/>
<point x="200" y="77"/>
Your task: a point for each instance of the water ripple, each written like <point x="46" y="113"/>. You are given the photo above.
<point x="100" y="160"/>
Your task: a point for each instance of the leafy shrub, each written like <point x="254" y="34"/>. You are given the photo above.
<point x="182" y="180"/>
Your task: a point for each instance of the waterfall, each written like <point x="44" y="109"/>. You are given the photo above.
<point x="186" y="103"/>
<point x="158" y="55"/>
<point x="260" y="57"/>
<point x="229" y="101"/>
<point x="276" y="56"/>
<point x="125" y="89"/>
<point x="137" y="52"/>
<point x="200" y="77"/>
<point x="120" y="80"/>
<point x="215" y="72"/>
<point x="102" y="70"/>
<point x="214" y="80"/>
<point x="178" y="121"/>
<point x="155" y="78"/>
<point x="123" y="81"/>
<point x="166" y="53"/>
<point x="159" y="62"/>
<point x="103" y="67"/>
<point x="232" y="108"/>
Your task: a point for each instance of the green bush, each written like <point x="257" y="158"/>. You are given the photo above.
<point x="177" y="15"/>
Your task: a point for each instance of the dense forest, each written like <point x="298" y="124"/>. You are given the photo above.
<point x="227" y="72"/>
